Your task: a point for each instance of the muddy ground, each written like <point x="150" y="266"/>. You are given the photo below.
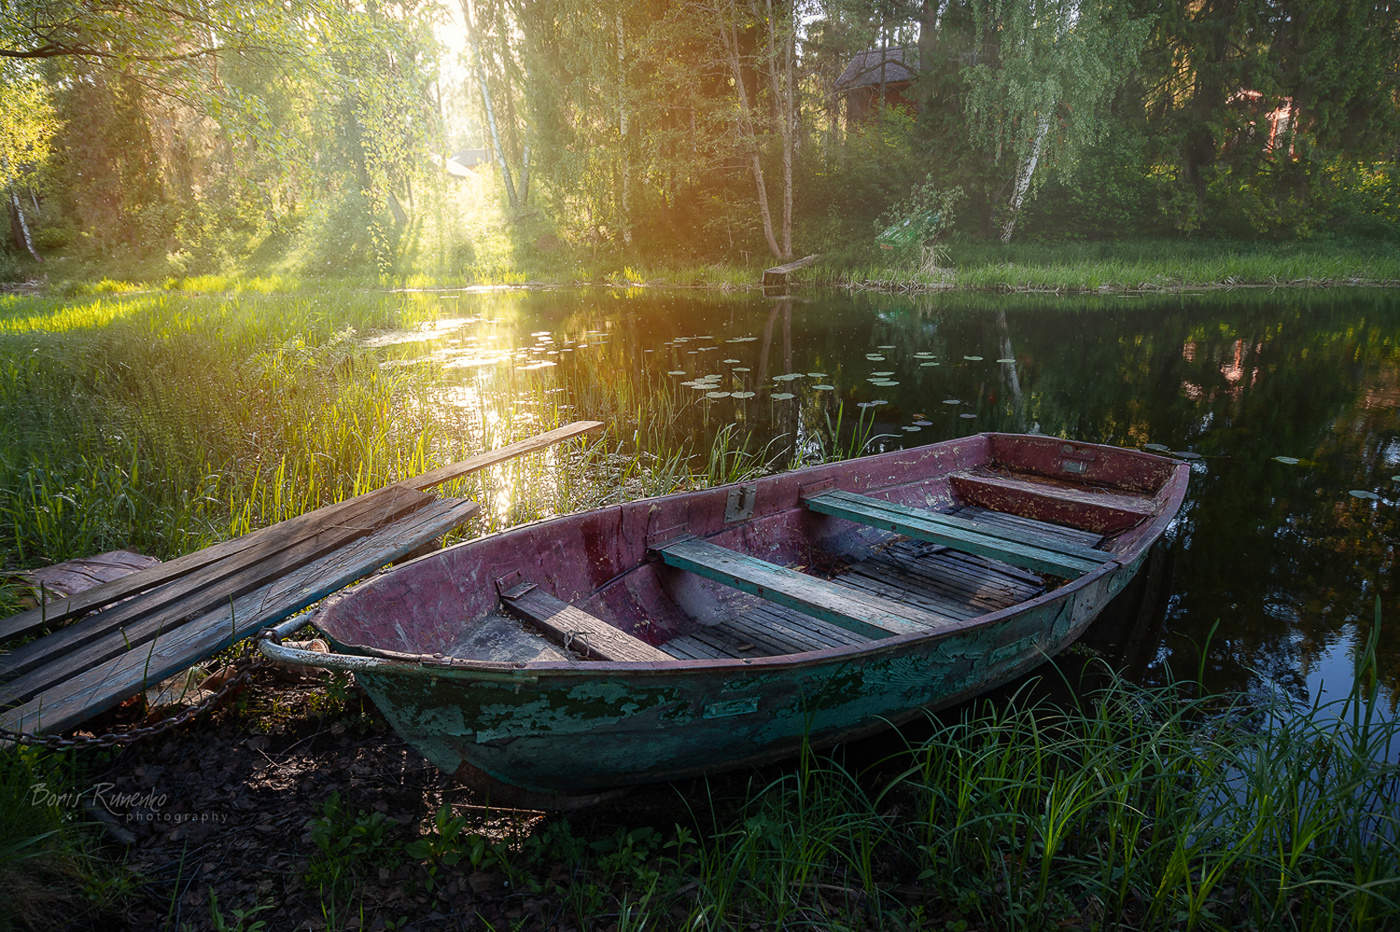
<point x="216" y="818"/>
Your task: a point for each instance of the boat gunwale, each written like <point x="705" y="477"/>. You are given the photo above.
<point x="388" y="662"/>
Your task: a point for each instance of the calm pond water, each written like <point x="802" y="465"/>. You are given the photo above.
<point x="1286" y="403"/>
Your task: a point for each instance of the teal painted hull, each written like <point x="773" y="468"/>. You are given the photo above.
<point x="560" y="727"/>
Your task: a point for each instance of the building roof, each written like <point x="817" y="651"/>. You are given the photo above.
<point x="874" y="66"/>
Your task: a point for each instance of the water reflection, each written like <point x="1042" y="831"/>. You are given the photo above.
<point x="1286" y="404"/>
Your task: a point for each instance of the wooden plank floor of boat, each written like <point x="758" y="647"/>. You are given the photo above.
<point x="924" y="575"/>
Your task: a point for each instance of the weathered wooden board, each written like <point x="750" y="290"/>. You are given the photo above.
<point x="575" y="629"/>
<point x="929" y="526"/>
<point x="120" y="628"/>
<point x="856" y="611"/>
<point x="778" y="274"/>
<point x="1043" y="528"/>
<point x="1100" y="510"/>
<point x="100" y="687"/>
<point x="257" y="544"/>
<point x="457" y="470"/>
<point x="368" y="510"/>
<point x="1029" y="533"/>
<point x="73" y="576"/>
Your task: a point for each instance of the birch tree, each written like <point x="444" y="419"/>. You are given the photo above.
<point x="1045" y="74"/>
<point x="27" y="125"/>
<point x="768" y="29"/>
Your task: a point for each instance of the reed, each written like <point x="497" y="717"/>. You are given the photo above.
<point x="1145" y="265"/>
<point x="1134" y="807"/>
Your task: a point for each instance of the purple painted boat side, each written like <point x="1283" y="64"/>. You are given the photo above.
<point x="564" y="726"/>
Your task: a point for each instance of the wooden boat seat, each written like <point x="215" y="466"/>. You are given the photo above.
<point x="914" y="573"/>
<point x="1027" y="549"/>
<point x="1106" y="511"/>
<point x="575" y="629"/>
<point x="863" y="613"/>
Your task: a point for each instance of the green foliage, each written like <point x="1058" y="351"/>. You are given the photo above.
<point x="919" y="220"/>
<point x="27" y="125"/>
<point x="349" y="846"/>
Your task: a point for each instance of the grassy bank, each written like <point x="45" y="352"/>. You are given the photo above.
<point x="1147" y="265"/>
<point x="1143" y="808"/>
<point x="1070" y="268"/>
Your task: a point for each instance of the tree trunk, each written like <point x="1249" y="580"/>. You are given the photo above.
<point x="625" y="168"/>
<point x="24" y="235"/>
<point x="782" y="81"/>
<point x="1042" y="129"/>
<point x="746" y="126"/>
<point x="1023" y="180"/>
<point x="475" y="40"/>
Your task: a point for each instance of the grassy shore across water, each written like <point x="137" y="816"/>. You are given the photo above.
<point x="1069" y="268"/>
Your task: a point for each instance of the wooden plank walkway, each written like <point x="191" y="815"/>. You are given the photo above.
<point x="134" y="631"/>
<point x="1026" y="549"/>
<point x="85" y="692"/>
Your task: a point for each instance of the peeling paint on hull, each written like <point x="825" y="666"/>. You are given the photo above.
<point x="571" y="728"/>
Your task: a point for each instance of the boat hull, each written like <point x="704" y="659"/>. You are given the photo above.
<point x="567" y="735"/>
<point x="563" y="728"/>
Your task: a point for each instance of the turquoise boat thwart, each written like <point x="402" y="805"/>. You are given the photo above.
<point x="673" y="636"/>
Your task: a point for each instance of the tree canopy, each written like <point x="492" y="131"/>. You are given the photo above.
<point x="723" y="129"/>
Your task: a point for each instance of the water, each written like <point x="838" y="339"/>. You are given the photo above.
<point x="1287" y="405"/>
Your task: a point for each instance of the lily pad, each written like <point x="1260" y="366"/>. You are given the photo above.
<point x="741" y="340"/>
<point x="872" y="404"/>
<point x="816" y="375"/>
<point x="874" y="357"/>
<point x="741" y="368"/>
<point x="730" y="362"/>
<point x="911" y="428"/>
<point x="787" y="376"/>
<point x="1007" y="359"/>
<point x="884" y="383"/>
<point x="1287" y="460"/>
<point x="885" y="346"/>
<point x="825" y="388"/>
<point x="923" y="423"/>
<point x="923" y="355"/>
<point x="881" y="374"/>
<point x="717" y="394"/>
<point x="1364" y="494"/>
<point x="973" y="358"/>
<point x="1157" y="447"/>
<point x="782" y="396"/>
<point x="951" y="401"/>
<point x="967" y="416"/>
<point x="1187" y="455"/>
<point x="676" y="372"/>
<point x="927" y="364"/>
<point x="741" y="394"/>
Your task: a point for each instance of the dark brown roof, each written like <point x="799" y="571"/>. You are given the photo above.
<point x="897" y="65"/>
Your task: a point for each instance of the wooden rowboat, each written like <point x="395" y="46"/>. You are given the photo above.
<point x="672" y="636"/>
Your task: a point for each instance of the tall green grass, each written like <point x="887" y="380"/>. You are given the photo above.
<point x="1134" y="807"/>
<point x="1149" y="265"/>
